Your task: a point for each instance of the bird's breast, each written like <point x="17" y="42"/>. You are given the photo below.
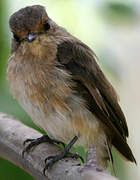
<point x="46" y="94"/>
<point x="41" y="89"/>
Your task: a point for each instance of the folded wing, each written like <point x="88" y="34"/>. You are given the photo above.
<point x="102" y="100"/>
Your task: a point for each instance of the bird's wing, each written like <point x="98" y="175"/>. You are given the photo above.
<point x="80" y="61"/>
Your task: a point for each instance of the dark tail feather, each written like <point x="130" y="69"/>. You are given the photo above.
<point x="122" y="146"/>
<point x="110" y="157"/>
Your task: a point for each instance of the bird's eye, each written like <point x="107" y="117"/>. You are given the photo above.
<point x="46" y="26"/>
<point x="16" y="38"/>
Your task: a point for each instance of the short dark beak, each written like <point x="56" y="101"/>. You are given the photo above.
<point x="30" y="37"/>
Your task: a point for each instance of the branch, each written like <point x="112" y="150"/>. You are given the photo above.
<point x="12" y="135"/>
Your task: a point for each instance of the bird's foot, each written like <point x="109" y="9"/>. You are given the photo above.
<point x="35" y="142"/>
<point x="50" y="160"/>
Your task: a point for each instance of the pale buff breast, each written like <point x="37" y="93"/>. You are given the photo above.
<point x="61" y="123"/>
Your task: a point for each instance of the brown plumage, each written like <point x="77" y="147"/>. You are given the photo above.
<point x="56" y="79"/>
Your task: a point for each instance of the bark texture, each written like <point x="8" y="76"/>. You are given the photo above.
<point x="12" y="135"/>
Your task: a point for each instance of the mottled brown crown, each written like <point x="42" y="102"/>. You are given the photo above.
<point x="28" y="19"/>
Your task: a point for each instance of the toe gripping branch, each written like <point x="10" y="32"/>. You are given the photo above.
<point x="35" y="142"/>
<point x="50" y="160"/>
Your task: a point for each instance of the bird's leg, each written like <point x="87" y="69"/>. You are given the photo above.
<point x="50" y="160"/>
<point x="35" y="142"/>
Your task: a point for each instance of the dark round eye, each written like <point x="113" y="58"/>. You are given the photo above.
<point x="16" y="38"/>
<point x="46" y="26"/>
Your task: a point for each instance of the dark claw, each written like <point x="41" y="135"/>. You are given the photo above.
<point x="27" y="140"/>
<point x="29" y="146"/>
<point x="48" y="164"/>
<point x="23" y="152"/>
<point x="75" y="156"/>
<point x="35" y="142"/>
<point x="50" y="160"/>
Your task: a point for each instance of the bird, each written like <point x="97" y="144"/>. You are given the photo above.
<point x="56" y="78"/>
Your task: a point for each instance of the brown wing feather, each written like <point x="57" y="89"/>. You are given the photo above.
<point x="102" y="100"/>
<point x="80" y="60"/>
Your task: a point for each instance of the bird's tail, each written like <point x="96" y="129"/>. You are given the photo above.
<point x="122" y="147"/>
<point x="110" y="157"/>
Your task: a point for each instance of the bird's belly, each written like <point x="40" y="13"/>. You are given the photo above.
<point x="60" y="123"/>
<point x="56" y="124"/>
<point x="64" y="125"/>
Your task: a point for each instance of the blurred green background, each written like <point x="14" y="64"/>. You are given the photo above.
<point x="111" y="28"/>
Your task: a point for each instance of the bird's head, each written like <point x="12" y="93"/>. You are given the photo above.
<point x="33" y="30"/>
<point x="27" y="23"/>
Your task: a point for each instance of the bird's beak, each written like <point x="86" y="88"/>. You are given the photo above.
<point x="30" y="37"/>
